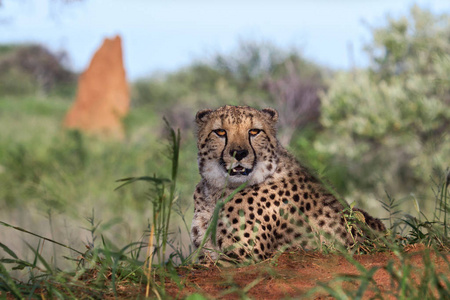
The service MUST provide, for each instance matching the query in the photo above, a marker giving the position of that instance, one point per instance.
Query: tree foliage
(390, 123)
(26, 69)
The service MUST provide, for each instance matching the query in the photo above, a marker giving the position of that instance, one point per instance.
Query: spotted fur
(282, 203)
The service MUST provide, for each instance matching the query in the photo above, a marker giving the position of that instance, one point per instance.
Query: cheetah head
(236, 144)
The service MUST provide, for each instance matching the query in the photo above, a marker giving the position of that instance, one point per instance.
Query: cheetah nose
(239, 154)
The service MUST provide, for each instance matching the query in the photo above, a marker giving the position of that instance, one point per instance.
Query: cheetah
(282, 203)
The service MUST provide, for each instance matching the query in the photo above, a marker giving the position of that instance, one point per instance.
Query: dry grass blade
(149, 261)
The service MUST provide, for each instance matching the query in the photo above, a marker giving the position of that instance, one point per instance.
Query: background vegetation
(375, 133)
(389, 124)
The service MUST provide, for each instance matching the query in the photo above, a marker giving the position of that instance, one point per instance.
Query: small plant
(434, 231)
(353, 219)
(391, 206)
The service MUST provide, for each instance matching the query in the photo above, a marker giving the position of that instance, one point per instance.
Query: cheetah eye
(220, 132)
(254, 132)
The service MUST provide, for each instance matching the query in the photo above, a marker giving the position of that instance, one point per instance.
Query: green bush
(389, 124)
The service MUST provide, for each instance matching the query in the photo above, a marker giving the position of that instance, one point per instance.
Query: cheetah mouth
(236, 169)
(240, 170)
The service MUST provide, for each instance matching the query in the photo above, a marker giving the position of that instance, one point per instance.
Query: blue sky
(165, 35)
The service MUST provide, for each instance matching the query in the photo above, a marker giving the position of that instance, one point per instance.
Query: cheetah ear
(271, 113)
(202, 116)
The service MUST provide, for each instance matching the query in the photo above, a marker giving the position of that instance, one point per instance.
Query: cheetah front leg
(203, 211)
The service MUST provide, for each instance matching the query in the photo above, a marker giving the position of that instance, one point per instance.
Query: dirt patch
(295, 274)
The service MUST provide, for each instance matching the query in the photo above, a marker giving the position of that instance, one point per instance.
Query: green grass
(52, 179)
(103, 267)
(64, 173)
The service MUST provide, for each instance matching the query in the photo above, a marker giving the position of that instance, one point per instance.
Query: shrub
(389, 123)
(25, 69)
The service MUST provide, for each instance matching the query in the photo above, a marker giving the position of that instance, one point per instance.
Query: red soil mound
(103, 96)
